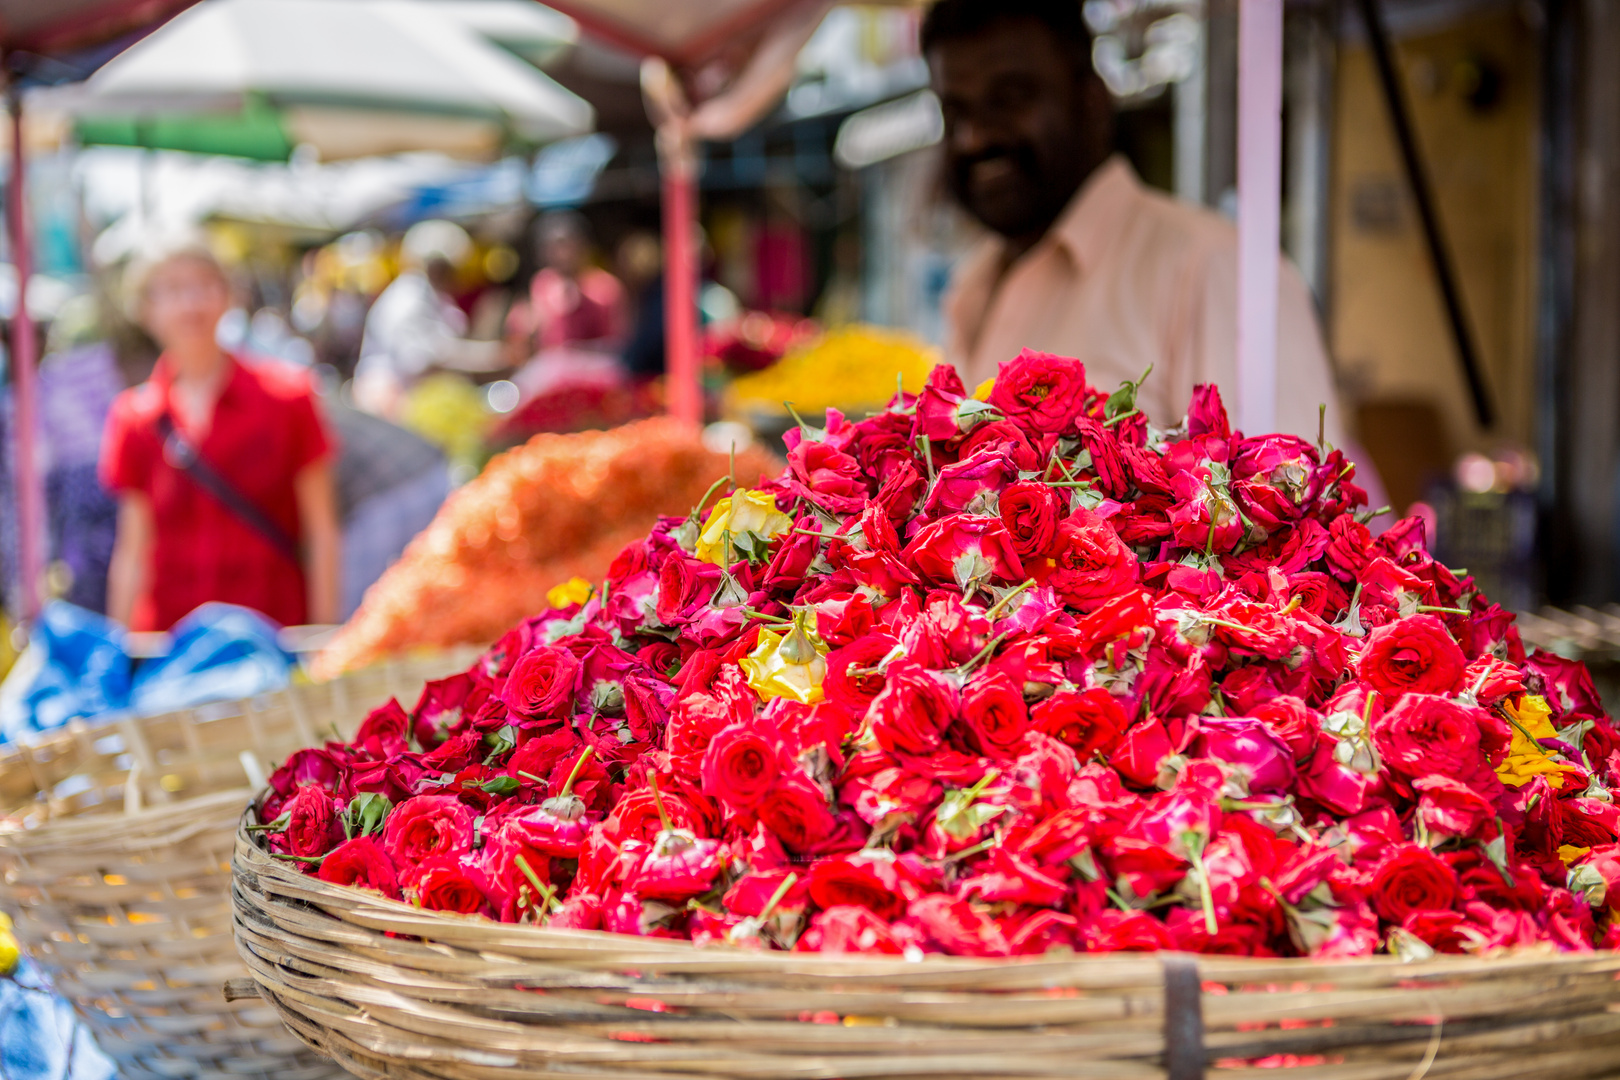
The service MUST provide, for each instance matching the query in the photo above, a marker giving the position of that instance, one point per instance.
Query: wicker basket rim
(12, 828)
(339, 901)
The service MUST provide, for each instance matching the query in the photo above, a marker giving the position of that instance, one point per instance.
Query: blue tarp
(76, 667)
(40, 1038)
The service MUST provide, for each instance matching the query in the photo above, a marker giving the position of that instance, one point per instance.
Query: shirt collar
(162, 376)
(1097, 213)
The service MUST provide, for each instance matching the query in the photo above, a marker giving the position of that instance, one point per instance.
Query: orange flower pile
(555, 508)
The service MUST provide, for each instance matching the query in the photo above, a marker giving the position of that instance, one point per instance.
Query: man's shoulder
(1177, 227)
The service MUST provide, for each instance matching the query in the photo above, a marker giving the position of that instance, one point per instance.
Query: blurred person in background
(1081, 259)
(415, 327)
(571, 303)
(222, 468)
(93, 353)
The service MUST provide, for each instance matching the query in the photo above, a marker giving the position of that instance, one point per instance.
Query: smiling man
(1083, 260)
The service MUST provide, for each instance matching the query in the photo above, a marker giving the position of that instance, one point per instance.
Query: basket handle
(254, 769)
(132, 789)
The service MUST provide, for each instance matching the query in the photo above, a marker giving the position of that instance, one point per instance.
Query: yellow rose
(743, 511)
(9, 953)
(775, 671)
(1526, 759)
(576, 590)
(1570, 852)
(982, 391)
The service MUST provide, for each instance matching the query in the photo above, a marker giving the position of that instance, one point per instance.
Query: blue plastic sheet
(76, 667)
(40, 1038)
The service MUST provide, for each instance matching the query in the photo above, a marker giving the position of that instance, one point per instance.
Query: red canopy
(58, 25)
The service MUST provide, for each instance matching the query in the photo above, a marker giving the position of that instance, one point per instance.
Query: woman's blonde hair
(183, 247)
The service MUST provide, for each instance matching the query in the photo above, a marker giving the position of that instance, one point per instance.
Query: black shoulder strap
(182, 455)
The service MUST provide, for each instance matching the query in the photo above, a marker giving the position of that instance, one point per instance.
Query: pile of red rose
(995, 674)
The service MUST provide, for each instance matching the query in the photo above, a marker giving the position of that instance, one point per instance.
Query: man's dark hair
(950, 20)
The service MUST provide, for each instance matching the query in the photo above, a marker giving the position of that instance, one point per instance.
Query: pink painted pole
(24, 354)
(684, 379)
(1259, 175)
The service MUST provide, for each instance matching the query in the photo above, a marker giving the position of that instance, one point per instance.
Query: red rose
(426, 826)
(382, 733)
(679, 867)
(1089, 564)
(965, 548)
(542, 683)
(1442, 931)
(510, 870)
(1029, 509)
(685, 585)
(1090, 721)
(852, 678)
(869, 883)
(360, 863)
(740, 766)
(1138, 754)
(1416, 655)
(1425, 734)
(445, 707)
(911, 714)
(850, 929)
(443, 883)
(1106, 460)
(312, 824)
(796, 811)
(1451, 808)
(969, 483)
(1040, 392)
(993, 716)
(1412, 878)
(954, 926)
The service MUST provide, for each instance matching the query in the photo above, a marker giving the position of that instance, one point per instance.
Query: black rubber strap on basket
(1183, 1018)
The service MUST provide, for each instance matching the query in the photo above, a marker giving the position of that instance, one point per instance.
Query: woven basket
(393, 992)
(115, 846)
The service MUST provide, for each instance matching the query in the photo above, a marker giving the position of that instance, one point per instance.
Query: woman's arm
(131, 565)
(323, 541)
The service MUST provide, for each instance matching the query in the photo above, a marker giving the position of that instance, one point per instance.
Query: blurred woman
(222, 468)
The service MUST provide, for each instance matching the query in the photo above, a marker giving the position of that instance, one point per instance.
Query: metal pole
(683, 383)
(24, 354)
(1260, 25)
(1423, 195)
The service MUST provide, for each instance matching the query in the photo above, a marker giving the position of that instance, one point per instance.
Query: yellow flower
(775, 671)
(9, 952)
(852, 368)
(743, 511)
(1569, 852)
(1526, 759)
(982, 391)
(576, 590)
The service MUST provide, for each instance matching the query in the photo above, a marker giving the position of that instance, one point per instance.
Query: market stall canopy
(257, 78)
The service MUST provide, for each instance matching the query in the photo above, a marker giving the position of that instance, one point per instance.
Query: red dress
(265, 431)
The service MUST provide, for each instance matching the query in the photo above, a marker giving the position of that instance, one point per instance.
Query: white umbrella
(351, 78)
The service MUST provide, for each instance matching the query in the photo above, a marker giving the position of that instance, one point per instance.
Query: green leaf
(500, 785)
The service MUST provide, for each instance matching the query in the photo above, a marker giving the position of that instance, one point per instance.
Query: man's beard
(1024, 204)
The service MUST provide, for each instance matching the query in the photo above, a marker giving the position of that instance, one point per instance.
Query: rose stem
(777, 896)
(568, 788)
(995, 609)
(658, 801)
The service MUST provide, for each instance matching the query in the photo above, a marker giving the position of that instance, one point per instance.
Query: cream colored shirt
(1126, 278)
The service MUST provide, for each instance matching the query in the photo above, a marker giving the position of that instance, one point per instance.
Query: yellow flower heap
(848, 368)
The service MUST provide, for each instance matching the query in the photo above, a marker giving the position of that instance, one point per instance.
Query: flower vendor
(1083, 260)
